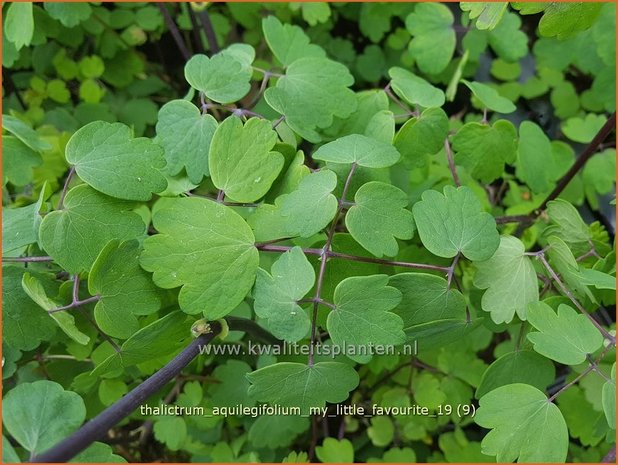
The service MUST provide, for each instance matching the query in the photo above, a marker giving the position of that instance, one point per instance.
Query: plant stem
(278, 121)
(451, 162)
(356, 258)
(27, 259)
(75, 304)
(97, 427)
(324, 254)
(514, 219)
(195, 28)
(174, 31)
(65, 188)
(211, 37)
(394, 98)
(588, 152)
(571, 297)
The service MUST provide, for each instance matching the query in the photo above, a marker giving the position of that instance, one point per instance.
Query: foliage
(383, 187)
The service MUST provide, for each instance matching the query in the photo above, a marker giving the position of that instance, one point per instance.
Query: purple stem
(27, 259)
(451, 162)
(65, 188)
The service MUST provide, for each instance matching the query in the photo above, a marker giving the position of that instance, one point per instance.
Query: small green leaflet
(185, 134)
(567, 267)
(25, 133)
(17, 161)
(359, 149)
(274, 431)
(453, 222)
(98, 452)
(206, 248)
(241, 161)
(583, 130)
(415, 90)
(75, 235)
(107, 157)
(335, 451)
(434, 39)
(20, 226)
(422, 136)
(522, 366)
(69, 14)
(299, 385)
(379, 217)
(171, 431)
(35, 290)
(609, 399)
(225, 77)
(362, 314)
(24, 324)
(276, 295)
(8, 452)
(158, 339)
(566, 223)
(303, 212)
(510, 280)
(597, 279)
(426, 298)
(536, 162)
(487, 14)
(288, 42)
(527, 427)
(40, 414)
(566, 337)
(564, 20)
(232, 385)
(490, 98)
(311, 93)
(19, 24)
(483, 149)
(125, 289)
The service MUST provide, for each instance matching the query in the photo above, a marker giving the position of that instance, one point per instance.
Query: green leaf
(158, 339)
(379, 217)
(276, 295)
(335, 451)
(583, 130)
(362, 315)
(521, 366)
(526, 427)
(276, 431)
(299, 385)
(415, 90)
(225, 76)
(241, 161)
(313, 12)
(536, 163)
(110, 390)
(91, 67)
(483, 149)
(35, 290)
(232, 385)
(107, 157)
(510, 280)
(567, 19)
(24, 324)
(312, 92)
(75, 235)
(8, 453)
(18, 160)
(303, 212)
(25, 133)
(381, 431)
(206, 248)
(359, 149)
(98, 452)
(489, 97)
(19, 24)
(453, 222)
(433, 43)
(426, 298)
(171, 431)
(508, 40)
(566, 223)
(422, 136)
(288, 42)
(609, 399)
(567, 267)
(69, 14)
(185, 135)
(125, 290)
(40, 414)
(566, 337)
(598, 279)
(20, 226)
(487, 14)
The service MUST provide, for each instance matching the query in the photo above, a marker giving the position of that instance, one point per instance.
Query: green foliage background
(358, 173)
